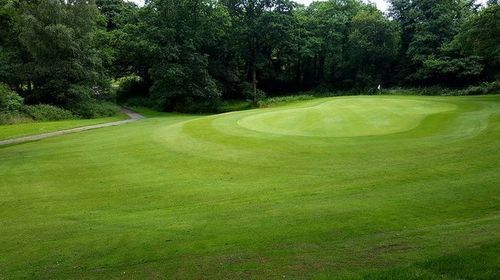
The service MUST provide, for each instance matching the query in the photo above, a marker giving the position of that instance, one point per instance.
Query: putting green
(371, 187)
(346, 117)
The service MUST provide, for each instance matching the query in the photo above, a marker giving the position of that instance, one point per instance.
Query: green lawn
(26, 129)
(386, 187)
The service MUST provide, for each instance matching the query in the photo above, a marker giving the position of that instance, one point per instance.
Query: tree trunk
(254, 82)
(253, 66)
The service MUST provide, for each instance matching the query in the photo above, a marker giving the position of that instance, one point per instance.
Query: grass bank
(334, 188)
(33, 128)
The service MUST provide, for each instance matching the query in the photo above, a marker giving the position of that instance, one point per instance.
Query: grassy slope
(207, 197)
(25, 129)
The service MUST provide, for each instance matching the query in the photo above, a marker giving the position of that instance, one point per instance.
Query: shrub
(14, 117)
(268, 102)
(43, 112)
(9, 100)
(131, 87)
(104, 92)
(484, 88)
(91, 109)
(234, 105)
(140, 102)
(198, 107)
(481, 89)
(248, 92)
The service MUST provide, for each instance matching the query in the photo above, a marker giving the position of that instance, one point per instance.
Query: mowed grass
(32, 128)
(337, 188)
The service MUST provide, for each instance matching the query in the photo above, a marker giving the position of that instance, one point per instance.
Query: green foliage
(329, 25)
(55, 43)
(129, 86)
(280, 100)
(482, 89)
(234, 105)
(9, 100)
(179, 73)
(114, 12)
(92, 109)
(138, 101)
(44, 112)
(251, 93)
(14, 117)
(190, 55)
(185, 86)
(429, 27)
(13, 59)
(480, 37)
(451, 68)
(373, 46)
(263, 31)
(64, 67)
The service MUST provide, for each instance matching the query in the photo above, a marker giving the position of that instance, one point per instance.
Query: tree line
(187, 55)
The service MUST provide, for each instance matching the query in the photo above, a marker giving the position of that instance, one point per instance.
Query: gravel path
(133, 117)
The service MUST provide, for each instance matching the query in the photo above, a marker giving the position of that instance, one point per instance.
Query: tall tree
(480, 36)
(13, 56)
(180, 32)
(428, 26)
(373, 46)
(255, 23)
(328, 23)
(64, 66)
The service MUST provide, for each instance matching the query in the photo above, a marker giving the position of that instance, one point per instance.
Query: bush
(484, 88)
(92, 109)
(104, 92)
(131, 87)
(14, 117)
(427, 91)
(10, 101)
(43, 112)
(198, 107)
(248, 92)
(140, 102)
(234, 105)
(268, 102)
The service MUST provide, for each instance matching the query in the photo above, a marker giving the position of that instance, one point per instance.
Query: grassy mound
(346, 117)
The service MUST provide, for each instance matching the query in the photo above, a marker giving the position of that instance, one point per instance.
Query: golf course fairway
(367, 187)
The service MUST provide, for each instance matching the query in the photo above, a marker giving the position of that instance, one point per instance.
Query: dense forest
(80, 56)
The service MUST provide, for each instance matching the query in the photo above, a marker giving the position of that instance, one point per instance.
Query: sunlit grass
(225, 196)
